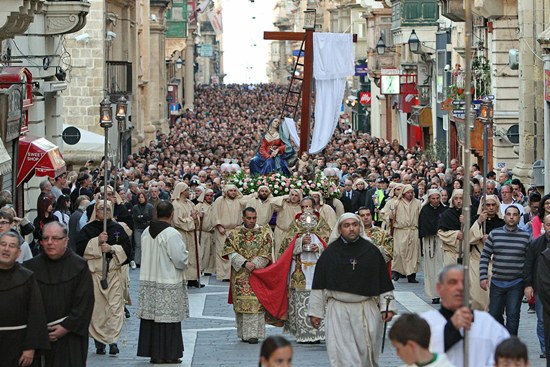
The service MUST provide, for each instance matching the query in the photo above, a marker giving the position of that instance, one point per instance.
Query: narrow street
(210, 338)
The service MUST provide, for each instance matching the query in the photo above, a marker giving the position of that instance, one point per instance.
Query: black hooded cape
(117, 236)
(428, 220)
(335, 270)
(449, 220)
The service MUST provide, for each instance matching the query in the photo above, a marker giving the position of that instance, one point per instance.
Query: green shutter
(176, 20)
(419, 12)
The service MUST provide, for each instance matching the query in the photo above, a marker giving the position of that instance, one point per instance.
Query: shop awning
(40, 157)
(5, 160)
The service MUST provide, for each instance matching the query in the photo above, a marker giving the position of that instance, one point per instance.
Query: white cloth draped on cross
(333, 61)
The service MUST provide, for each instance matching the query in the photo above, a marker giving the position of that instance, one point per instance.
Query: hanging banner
(215, 18)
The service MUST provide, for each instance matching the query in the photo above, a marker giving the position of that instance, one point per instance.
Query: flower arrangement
(280, 184)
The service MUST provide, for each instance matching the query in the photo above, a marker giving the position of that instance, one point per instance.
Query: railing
(119, 77)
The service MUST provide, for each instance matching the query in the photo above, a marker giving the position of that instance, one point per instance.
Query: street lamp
(121, 107)
(105, 114)
(486, 112)
(380, 46)
(179, 63)
(309, 19)
(105, 121)
(414, 43)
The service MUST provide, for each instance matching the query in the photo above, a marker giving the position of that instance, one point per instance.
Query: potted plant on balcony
(480, 80)
(481, 77)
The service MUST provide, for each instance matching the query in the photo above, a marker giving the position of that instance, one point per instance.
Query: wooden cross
(307, 78)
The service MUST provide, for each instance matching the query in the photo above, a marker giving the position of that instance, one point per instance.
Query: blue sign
(296, 53)
(174, 108)
(361, 69)
(459, 113)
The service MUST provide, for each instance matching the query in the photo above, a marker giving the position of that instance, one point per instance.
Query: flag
(215, 17)
(203, 5)
(191, 11)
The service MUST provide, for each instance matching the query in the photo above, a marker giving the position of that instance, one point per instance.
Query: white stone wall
(86, 83)
(505, 88)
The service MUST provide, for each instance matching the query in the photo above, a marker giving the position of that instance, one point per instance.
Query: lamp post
(106, 122)
(121, 107)
(380, 46)
(179, 63)
(486, 116)
(414, 43)
(309, 19)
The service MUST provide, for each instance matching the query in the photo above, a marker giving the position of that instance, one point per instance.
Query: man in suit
(350, 198)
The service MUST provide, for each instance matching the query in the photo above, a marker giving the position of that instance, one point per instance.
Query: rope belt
(58, 321)
(308, 263)
(11, 328)
(21, 327)
(363, 301)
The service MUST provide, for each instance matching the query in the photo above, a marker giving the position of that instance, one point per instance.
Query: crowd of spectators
(227, 123)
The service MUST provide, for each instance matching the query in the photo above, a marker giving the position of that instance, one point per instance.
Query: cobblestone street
(210, 339)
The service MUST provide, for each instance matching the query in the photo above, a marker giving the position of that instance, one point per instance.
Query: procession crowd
(319, 266)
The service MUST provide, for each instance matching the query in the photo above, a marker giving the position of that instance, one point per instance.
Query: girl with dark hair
(275, 351)
(61, 210)
(544, 210)
(45, 215)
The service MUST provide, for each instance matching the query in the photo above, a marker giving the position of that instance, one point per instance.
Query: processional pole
(466, 208)
(106, 121)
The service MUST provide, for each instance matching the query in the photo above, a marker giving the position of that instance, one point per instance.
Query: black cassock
(67, 291)
(20, 304)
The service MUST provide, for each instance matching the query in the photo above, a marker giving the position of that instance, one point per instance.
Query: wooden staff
(388, 300)
(460, 259)
(200, 226)
(392, 219)
(197, 254)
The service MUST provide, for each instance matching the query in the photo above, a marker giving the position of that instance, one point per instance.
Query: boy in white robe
(410, 335)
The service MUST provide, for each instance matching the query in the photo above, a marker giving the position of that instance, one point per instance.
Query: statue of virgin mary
(274, 151)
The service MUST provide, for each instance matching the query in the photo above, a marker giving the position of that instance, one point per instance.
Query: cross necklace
(353, 262)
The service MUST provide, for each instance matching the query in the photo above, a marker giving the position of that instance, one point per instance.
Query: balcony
(18, 16)
(453, 10)
(495, 9)
(65, 17)
(414, 13)
(119, 78)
